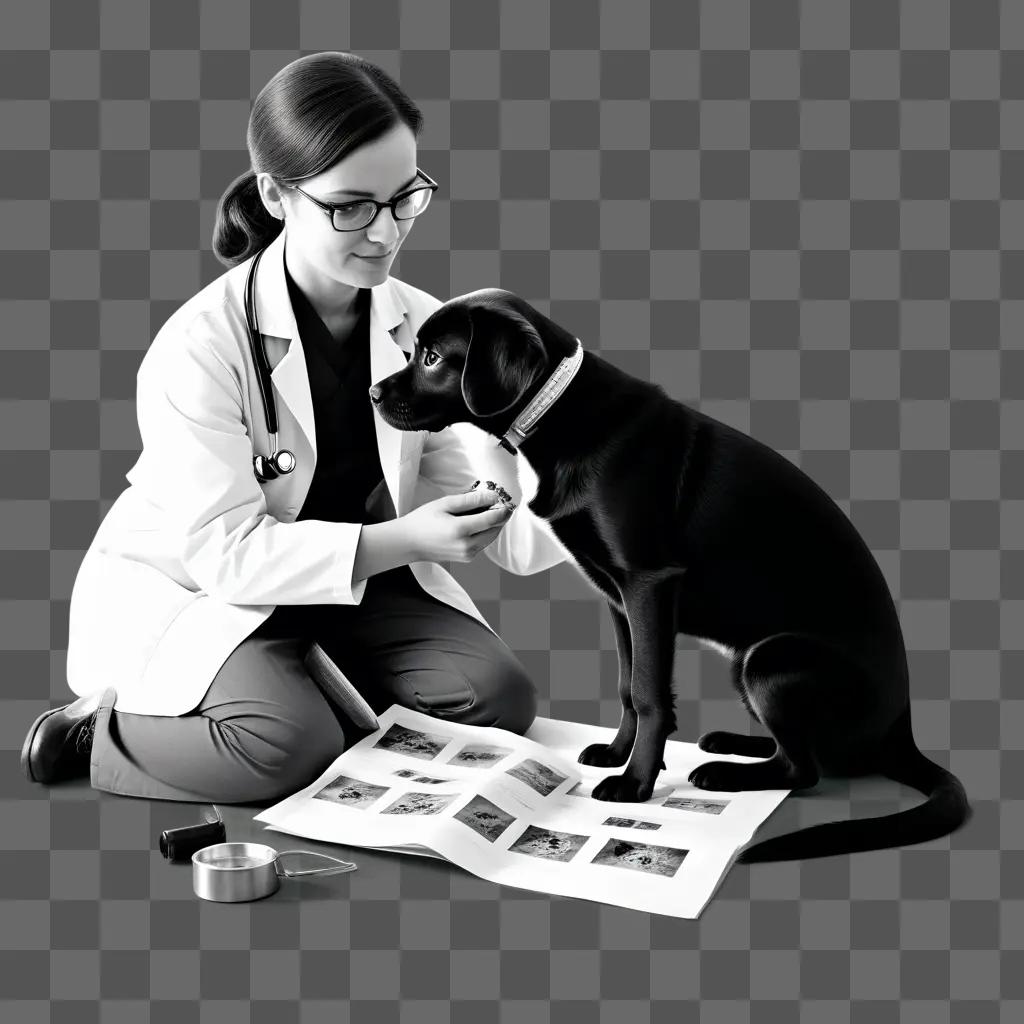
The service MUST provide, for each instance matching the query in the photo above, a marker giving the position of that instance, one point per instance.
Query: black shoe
(59, 743)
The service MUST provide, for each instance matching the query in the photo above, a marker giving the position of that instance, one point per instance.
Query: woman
(205, 585)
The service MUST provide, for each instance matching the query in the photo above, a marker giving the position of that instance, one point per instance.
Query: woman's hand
(457, 527)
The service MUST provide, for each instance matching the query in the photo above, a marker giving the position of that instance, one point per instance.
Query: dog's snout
(375, 394)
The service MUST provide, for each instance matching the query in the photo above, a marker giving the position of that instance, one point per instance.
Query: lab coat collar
(274, 308)
(289, 375)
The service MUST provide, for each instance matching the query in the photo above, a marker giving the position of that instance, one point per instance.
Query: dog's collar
(526, 422)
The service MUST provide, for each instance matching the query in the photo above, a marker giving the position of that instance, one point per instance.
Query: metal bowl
(235, 872)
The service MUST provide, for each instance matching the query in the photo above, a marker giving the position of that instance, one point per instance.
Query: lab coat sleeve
(196, 468)
(454, 458)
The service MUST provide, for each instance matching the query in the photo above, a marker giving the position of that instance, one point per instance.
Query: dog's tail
(944, 811)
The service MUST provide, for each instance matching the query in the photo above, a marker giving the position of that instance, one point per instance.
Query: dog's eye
(427, 358)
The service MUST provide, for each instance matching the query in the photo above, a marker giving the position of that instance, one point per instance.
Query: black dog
(686, 525)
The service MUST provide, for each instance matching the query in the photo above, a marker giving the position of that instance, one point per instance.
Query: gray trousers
(264, 730)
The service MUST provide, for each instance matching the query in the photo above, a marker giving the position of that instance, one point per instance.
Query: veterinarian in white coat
(196, 554)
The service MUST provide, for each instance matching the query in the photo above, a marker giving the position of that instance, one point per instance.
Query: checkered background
(805, 219)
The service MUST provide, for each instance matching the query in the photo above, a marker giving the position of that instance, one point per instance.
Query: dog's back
(767, 550)
(642, 482)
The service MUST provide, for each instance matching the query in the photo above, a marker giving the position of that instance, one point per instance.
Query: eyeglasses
(361, 214)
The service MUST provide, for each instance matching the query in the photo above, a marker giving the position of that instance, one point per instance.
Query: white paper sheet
(517, 810)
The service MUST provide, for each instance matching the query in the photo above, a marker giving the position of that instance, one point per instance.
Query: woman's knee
(281, 748)
(277, 729)
(517, 702)
(504, 696)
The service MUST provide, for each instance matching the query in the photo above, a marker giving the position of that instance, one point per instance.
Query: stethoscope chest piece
(239, 872)
(285, 461)
(269, 467)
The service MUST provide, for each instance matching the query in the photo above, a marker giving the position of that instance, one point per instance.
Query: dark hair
(312, 113)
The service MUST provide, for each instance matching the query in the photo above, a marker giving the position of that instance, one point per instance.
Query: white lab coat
(195, 554)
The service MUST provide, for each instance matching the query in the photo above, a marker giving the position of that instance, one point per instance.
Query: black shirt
(347, 458)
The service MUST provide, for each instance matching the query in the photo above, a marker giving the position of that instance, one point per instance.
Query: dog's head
(475, 359)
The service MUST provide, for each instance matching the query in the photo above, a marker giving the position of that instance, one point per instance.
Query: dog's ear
(503, 358)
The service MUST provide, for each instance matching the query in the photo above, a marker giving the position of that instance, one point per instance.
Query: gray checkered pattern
(805, 219)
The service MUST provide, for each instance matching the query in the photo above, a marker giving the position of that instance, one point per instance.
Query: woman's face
(382, 169)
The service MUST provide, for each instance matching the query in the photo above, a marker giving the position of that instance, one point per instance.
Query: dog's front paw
(623, 789)
(721, 776)
(602, 755)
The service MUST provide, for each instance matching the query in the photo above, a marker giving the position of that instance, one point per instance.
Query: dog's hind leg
(614, 754)
(797, 685)
(649, 599)
(719, 742)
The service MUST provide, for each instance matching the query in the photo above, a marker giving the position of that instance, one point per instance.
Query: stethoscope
(266, 467)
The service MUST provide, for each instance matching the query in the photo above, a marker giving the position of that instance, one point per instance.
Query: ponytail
(243, 224)
(311, 114)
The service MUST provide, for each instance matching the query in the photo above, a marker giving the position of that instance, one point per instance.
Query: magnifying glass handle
(346, 865)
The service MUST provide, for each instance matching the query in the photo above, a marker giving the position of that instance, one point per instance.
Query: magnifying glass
(239, 872)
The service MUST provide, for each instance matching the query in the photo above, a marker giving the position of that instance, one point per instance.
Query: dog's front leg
(650, 603)
(614, 754)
